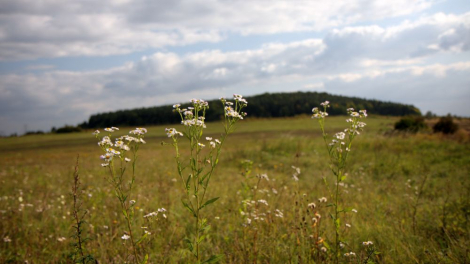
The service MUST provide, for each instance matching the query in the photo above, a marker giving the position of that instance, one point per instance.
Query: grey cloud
(35, 29)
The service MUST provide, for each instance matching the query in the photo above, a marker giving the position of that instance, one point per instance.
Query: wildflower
(212, 144)
(176, 106)
(263, 176)
(354, 114)
(104, 164)
(354, 210)
(171, 132)
(346, 254)
(138, 131)
(312, 205)
(340, 135)
(325, 103)
(363, 113)
(367, 243)
(132, 202)
(296, 169)
(352, 254)
(323, 249)
(151, 214)
(96, 132)
(322, 200)
(7, 239)
(147, 232)
(201, 145)
(125, 237)
(348, 225)
(279, 213)
(217, 141)
(61, 239)
(208, 138)
(127, 159)
(341, 245)
(263, 202)
(108, 129)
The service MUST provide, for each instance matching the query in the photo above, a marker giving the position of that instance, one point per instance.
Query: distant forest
(263, 105)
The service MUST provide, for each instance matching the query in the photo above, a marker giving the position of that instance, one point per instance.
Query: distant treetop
(263, 105)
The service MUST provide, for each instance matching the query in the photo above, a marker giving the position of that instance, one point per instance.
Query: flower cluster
(233, 111)
(120, 146)
(190, 116)
(338, 142)
(296, 174)
(321, 114)
(171, 132)
(154, 214)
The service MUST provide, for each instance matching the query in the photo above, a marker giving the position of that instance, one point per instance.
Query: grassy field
(411, 193)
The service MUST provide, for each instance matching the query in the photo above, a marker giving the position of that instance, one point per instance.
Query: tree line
(263, 105)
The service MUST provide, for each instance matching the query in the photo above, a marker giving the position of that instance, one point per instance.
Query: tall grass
(386, 175)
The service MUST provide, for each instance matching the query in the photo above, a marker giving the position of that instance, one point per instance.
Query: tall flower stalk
(115, 161)
(202, 161)
(339, 149)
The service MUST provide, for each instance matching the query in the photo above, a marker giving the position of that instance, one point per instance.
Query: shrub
(68, 129)
(445, 125)
(411, 124)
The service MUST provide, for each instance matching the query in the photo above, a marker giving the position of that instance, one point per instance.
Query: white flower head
(125, 237)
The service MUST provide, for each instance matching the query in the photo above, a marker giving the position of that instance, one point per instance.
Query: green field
(411, 193)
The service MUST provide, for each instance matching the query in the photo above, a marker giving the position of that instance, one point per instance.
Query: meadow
(410, 192)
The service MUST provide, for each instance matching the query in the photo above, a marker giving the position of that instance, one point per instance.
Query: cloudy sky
(61, 61)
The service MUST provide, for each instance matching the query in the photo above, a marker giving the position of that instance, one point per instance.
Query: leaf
(337, 222)
(190, 244)
(201, 238)
(342, 178)
(209, 202)
(146, 259)
(213, 259)
(188, 182)
(189, 208)
(204, 177)
(141, 239)
(326, 245)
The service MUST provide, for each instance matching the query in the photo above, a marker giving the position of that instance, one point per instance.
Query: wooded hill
(263, 105)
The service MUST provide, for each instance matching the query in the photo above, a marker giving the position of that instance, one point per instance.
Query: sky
(62, 61)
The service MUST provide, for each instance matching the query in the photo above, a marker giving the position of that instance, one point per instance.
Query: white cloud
(54, 28)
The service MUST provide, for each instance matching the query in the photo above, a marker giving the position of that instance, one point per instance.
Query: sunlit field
(411, 193)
